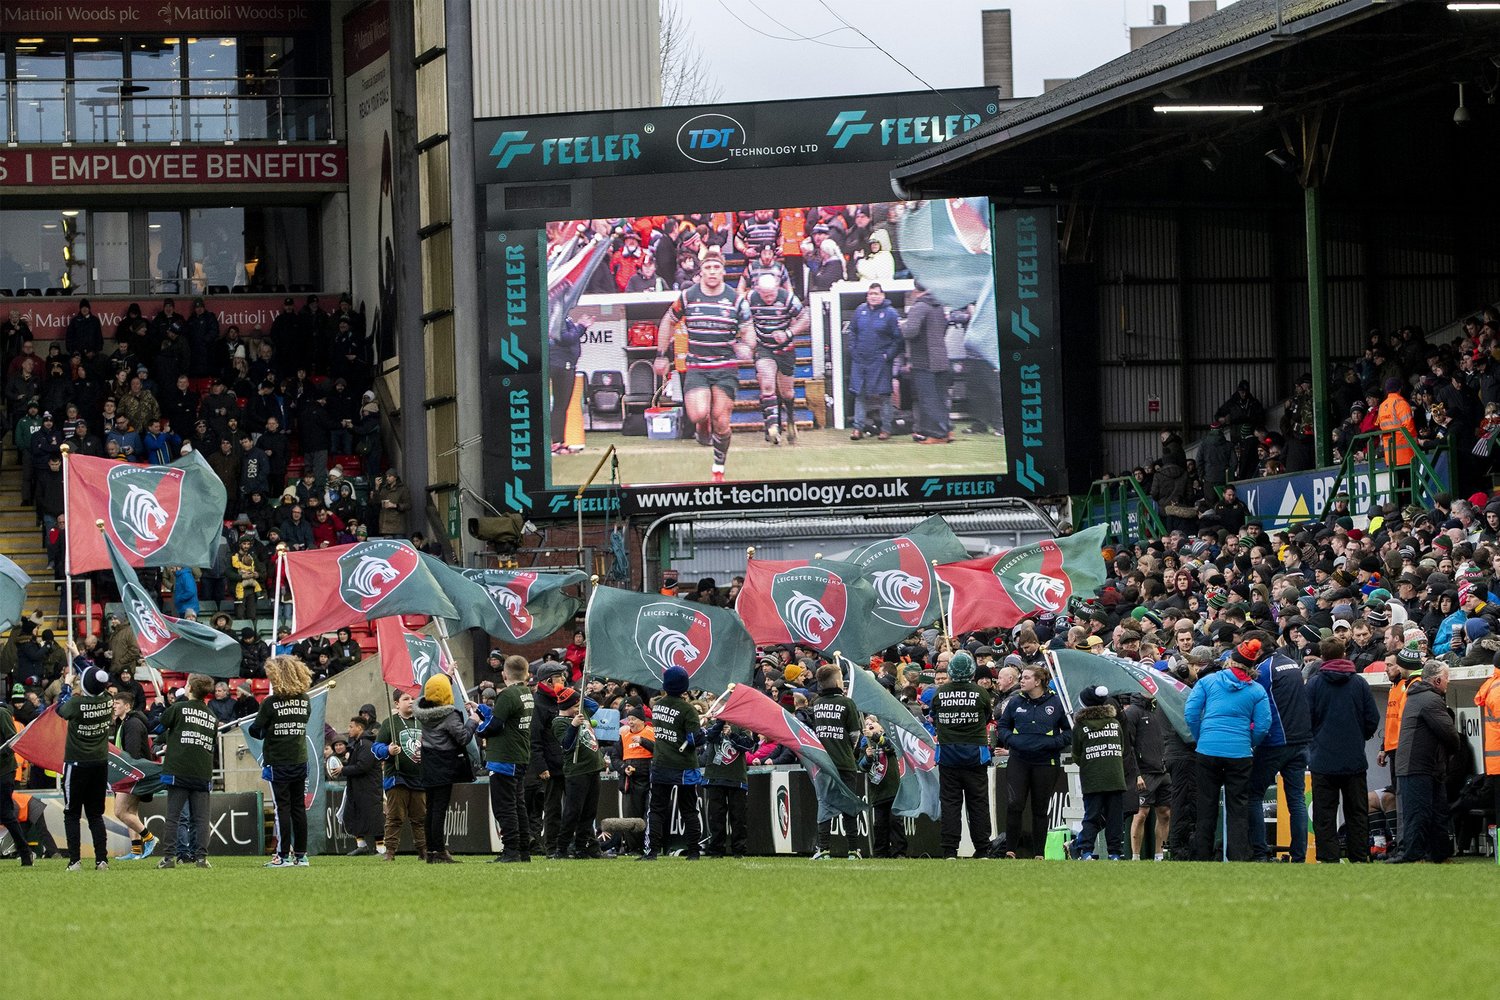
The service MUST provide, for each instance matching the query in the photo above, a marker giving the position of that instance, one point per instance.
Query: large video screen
(830, 342)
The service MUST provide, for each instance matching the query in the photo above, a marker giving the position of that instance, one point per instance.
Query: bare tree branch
(686, 77)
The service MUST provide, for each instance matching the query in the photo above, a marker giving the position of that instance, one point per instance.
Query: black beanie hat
(94, 680)
(1094, 696)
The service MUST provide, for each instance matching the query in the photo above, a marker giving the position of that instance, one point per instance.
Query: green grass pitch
(772, 928)
(818, 454)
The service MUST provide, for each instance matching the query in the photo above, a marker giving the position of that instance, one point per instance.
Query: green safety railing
(1120, 503)
(1416, 483)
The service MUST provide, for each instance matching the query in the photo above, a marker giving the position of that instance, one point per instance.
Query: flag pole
(442, 638)
(942, 611)
(67, 546)
(276, 597)
(588, 655)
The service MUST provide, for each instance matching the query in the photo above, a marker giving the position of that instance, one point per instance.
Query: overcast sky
(940, 42)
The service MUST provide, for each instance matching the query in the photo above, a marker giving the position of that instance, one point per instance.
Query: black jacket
(363, 798)
(1344, 718)
(546, 752)
(1143, 730)
(1289, 698)
(445, 742)
(1428, 735)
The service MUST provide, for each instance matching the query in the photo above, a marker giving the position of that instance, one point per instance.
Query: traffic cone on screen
(573, 429)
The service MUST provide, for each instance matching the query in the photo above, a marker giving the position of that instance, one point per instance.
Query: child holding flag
(398, 746)
(725, 747)
(836, 721)
(282, 724)
(960, 718)
(674, 763)
(506, 731)
(131, 733)
(1099, 752)
(85, 757)
(191, 730)
(582, 763)
(880, 759)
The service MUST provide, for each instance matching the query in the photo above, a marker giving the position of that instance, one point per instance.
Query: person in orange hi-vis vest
(1395, 413)
(1488, 700)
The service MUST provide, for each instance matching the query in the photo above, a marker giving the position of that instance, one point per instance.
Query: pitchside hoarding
(803, 353)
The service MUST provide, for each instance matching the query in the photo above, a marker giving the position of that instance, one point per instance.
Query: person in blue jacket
(1034, 729)
(1283, 752)
(1229, 714)
(1449, 605)
(874, 342)
(1344, 718)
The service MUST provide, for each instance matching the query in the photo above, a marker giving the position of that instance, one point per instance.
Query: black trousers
(635, 803)
(1425, 824)
(197, 804)
(889, 833)
(1231, 775)
(1184, 774)
(580, 806)
(290, 798)
(726, 820)
(83, 787)
(560, 382)
(958, 787)
(851, 822)
(508, 804)
(9, 817)
(544, 807)
(661, 817)
(1035, 782)
(1328, 790)
(438, 799)
(1103, 811)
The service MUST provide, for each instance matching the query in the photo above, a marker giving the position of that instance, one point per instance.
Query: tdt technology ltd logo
(710, 138)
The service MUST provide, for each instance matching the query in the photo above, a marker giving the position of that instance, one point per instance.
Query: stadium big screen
(734, 300)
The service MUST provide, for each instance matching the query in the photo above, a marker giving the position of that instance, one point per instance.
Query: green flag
(514, 606)
(919, 776)
(1076, 671)
(900, 573)
(167, 643)
(13, 583)
(636, 637)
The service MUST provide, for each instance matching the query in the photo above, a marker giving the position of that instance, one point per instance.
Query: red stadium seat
(353, 465)
(259, 688)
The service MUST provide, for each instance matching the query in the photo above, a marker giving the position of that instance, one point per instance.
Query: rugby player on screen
(772, 317)
(715, 352)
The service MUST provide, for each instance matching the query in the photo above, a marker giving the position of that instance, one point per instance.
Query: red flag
(1001, 590)
(157, 515)
(44, 741)
(823, 604)
(346, 584)
(407, 658)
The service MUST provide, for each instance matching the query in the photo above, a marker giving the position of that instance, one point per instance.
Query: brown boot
(444, 858)
(390, 855)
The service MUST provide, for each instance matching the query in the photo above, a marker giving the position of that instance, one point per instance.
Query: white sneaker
(76, 866)
(101, 866)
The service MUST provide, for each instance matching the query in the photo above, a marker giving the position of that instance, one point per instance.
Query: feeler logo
(509, 146)
(848, 124)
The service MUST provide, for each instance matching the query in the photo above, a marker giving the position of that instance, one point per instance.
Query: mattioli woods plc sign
(159, 15)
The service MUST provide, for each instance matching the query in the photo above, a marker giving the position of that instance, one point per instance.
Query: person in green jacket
(1099, 752)
(29, 424)
(85, 757)
(674, 763)
(582, 763)
(8, 816)
(506, 731)
(191, 730)
(837, 722)
(398, 745)
(960, 713)
(880, 759)
(282, 724)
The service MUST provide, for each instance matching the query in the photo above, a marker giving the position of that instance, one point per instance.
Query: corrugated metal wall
(1193, 300)
(534, 58)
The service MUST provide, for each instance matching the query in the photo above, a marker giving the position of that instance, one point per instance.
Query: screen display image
(800, 343)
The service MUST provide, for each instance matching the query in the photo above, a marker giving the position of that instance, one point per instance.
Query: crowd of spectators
(1445, 396)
